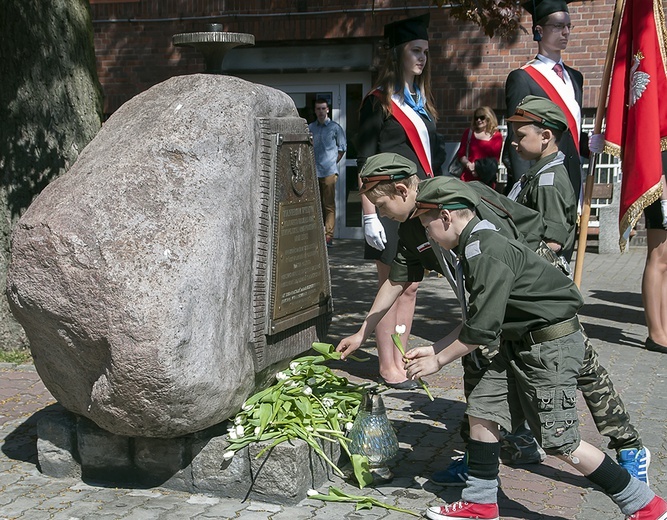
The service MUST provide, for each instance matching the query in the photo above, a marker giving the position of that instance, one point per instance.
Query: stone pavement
(427, 431)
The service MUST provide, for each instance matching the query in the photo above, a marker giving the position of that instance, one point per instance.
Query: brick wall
(134, 50)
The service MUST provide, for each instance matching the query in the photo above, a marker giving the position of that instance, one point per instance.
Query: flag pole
(599, 116)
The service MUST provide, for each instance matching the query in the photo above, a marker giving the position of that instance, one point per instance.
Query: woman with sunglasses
(480, 148)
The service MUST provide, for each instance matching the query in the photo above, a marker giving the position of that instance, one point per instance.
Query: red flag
(636, 113)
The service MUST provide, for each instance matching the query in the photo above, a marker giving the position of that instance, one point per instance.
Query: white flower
(228, 455)
(312, 492)
(232, 435)
(290, 383)
(293, 366)
(348, 426)
(307, 390)
(341, 415)
(280, 376)
(240, 430)
(328, 402)
(257, 430)
(400, 329)
(246, 407)
(238, 420)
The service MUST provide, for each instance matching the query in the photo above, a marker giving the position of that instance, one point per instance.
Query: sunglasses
(483, 118)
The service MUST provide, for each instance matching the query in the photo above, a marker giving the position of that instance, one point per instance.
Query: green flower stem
(399, 345)
(363, 502)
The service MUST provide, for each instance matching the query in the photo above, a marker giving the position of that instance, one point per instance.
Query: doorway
(345, 92)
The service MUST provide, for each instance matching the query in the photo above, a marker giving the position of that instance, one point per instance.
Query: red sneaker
(462, 509)
(656, 509)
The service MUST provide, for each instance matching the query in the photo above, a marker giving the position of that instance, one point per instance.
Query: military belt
(558, 330)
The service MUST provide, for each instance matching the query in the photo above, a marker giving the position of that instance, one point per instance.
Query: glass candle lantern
(372, 435)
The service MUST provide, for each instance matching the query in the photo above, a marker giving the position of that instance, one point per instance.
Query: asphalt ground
(427, 431)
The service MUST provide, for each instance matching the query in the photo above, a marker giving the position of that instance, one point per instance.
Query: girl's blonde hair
(491, 119)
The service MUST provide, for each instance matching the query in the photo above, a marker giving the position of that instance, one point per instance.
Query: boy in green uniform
(390, 183)
(518, 298)
(538, 125)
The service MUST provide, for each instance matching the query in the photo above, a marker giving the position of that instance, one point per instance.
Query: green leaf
(362, 470)
(265, 414)
(399, 344)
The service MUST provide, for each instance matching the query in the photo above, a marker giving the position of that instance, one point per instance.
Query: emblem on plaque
(298, 179)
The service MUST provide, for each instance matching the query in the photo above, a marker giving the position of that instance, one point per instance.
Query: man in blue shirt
(329, 145)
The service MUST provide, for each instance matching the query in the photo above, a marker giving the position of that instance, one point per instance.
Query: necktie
(558, 69)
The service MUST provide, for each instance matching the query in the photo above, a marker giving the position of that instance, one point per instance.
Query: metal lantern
(372, 435)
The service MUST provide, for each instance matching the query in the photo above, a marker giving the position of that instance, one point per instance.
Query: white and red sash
(414, 128)
(559, 92)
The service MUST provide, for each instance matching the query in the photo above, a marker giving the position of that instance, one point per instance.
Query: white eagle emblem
(638, 80)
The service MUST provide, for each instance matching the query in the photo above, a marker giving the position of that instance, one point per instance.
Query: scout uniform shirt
(512, 220)
(546, 188)
(512, 290)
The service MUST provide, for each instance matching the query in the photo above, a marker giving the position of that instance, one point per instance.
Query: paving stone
(612, 316)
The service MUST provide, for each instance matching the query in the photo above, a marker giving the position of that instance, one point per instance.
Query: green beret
(540, 111)
(444, 193)
(385, 167)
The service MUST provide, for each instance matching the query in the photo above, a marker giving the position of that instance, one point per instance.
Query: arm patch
(472, 250)
(547, 179)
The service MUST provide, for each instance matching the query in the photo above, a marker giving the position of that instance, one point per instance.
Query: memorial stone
(179, 263)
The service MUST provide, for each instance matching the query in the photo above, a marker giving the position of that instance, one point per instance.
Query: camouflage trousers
(607, 409)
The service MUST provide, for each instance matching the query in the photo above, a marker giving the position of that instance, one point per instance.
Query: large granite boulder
(132, 274)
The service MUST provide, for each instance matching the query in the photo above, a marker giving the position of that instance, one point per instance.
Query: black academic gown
(519, 84)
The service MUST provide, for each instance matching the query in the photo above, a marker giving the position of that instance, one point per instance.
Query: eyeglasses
(483, 118)
(558, 27)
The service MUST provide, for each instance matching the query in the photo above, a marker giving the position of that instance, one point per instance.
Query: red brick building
(331, 48)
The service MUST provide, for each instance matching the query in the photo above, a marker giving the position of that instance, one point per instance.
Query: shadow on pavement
(613, 335)
(633, 299)
(21, 443)
(612, 313)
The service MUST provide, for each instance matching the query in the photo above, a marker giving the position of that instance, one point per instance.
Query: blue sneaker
(636, 462)
(455, 475)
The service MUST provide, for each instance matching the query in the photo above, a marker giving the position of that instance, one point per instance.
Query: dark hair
(391, 77)
(319, 101)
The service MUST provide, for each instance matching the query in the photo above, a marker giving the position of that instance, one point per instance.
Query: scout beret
(444, 193)
(540, 9)
(385, 167)
(407, 30)
(540, 111)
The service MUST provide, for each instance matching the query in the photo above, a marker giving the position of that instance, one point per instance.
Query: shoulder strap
(412, 134)
(554, 96)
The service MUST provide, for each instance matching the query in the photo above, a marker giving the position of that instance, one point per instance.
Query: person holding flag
(636, 131)
(547, 76)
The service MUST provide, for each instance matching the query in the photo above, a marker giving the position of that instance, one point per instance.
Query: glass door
(344, 91)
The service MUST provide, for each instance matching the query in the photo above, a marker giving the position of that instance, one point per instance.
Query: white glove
(374, 232)
(663, 207)
(596, 143)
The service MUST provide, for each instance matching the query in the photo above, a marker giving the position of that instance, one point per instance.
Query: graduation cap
(407, 30)
(540, 9)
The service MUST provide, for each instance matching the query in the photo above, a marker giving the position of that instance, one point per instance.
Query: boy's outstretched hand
(421, 362)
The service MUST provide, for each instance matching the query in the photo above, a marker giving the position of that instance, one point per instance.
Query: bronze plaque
(299, 279)
(300, 273)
